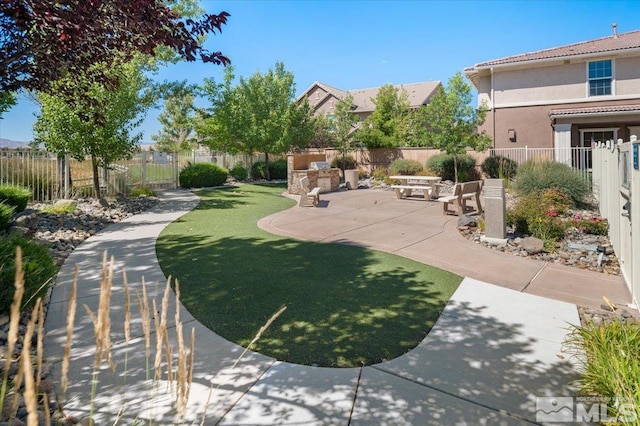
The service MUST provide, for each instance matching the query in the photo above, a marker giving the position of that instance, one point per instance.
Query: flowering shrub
(594, 225)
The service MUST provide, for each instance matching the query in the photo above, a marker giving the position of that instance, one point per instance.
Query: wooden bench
(462, 192)
(308, 197)
(402, 191)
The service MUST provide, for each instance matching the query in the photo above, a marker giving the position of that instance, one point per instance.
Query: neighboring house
(563, 97)
(324, 98)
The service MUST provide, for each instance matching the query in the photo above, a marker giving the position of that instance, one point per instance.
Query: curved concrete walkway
(490, 354)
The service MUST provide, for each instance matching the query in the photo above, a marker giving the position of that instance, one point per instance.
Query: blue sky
(360, 44)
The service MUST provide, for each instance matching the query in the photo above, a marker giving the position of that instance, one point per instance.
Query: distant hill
(8, 143)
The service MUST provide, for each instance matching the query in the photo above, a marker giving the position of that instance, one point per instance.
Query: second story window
(600, 77)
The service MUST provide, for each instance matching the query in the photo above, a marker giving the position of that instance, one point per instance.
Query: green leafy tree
(389, 125)
(258, 115)
(103, 125)
(449, 122)
(7, 100)
(344, 124)
(177, 123)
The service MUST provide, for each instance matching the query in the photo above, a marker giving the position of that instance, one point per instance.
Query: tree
(177, 123)
(71, 128)
(388, 125)
(7, 100)
(42, 41)
(344, 124)
(449, 122)
(258, 115)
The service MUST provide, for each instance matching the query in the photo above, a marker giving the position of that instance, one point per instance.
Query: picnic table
(429, 185)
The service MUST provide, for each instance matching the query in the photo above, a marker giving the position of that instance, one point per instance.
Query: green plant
(380, 173)
(539, 175)
(277, 170)
(201, 175)
(499, 167)
(137, 191)
(344, 163)
(6, 213)
(443, 166)
(594, 225)
(537, 214)
(37, 265)
(609, 364)
(239, 172)
(60, 207)
(405, 167)
(15, 196)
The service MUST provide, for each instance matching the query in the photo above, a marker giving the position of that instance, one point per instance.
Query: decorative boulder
(532, 245)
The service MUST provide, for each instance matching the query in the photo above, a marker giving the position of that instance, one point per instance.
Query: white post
(635, 220)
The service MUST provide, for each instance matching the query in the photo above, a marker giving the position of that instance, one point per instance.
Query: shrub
(594, 225)
(405, 167)
(6, 213)
(443, 166)
(239, 172)
(60, 207)
(15, 196)
(500, 167)
(344, 163)
(37, 265)
(201, 175)
(277, 170)
(380, 173)
(137, 191)
(540, 175)
(609, 363)
(537, 214)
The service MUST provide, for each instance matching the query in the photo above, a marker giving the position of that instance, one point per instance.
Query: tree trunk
(267, 175)
(455, 167)
(96, 177)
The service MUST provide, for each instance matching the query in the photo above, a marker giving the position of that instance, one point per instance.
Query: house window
(600, 77)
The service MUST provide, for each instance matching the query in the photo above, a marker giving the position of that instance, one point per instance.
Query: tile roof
(595, 110)
(417, 94)
(624, 41)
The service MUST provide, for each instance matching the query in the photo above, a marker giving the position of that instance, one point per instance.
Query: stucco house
(565, 96)
(324, 98)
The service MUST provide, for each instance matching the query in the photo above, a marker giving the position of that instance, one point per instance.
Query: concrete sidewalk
(492, 351)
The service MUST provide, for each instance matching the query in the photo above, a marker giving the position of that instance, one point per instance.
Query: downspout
(493, 110)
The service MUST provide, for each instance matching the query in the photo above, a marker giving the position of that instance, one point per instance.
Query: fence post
(67, 175)
(176, 175)
(635, 220)
(143, 169)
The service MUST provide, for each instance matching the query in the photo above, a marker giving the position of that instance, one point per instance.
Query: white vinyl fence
(578, 158)
(616, 184)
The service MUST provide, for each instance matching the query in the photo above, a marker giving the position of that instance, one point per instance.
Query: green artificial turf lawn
(347, 306)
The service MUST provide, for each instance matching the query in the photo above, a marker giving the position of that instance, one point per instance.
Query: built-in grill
(319, 165)
(324, 174)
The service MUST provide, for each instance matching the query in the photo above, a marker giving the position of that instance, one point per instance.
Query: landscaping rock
(465, 220)
(532, 245)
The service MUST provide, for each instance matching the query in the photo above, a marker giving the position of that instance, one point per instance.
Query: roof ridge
(563, 48)
(394, 85)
